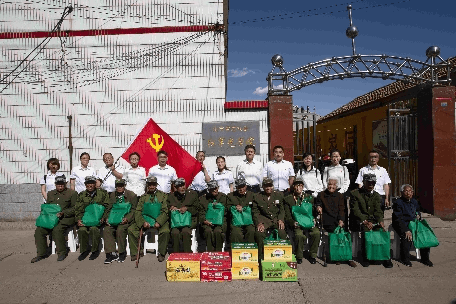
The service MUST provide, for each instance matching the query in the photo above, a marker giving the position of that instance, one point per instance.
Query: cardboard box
(278, 251)
(183, 267)
(216, 261)
(216, 276)
(244, 252)
(245, 271)
(279, 270)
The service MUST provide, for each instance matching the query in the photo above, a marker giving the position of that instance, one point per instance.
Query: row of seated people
(243, 215)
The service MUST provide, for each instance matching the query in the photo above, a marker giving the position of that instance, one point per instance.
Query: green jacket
(246, 200)
(66, 199)
(290, 201)
(365, 206)
(129, 197)
(189, 200)
(268, 212)
(164, 210)
(204, 204)
(100, 198)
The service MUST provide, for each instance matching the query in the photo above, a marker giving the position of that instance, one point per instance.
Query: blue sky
(405, 28)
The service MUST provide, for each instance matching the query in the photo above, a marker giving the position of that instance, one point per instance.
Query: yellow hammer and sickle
(157, 146)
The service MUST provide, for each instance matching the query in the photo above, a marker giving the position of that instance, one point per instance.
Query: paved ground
(72, 281)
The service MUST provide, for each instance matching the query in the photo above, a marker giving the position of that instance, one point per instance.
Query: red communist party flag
(152, 139)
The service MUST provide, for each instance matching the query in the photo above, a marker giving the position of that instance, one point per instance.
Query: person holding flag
(164, 173)
(108, 174)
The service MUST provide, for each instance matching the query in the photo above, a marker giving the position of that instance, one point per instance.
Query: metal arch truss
(373, 66)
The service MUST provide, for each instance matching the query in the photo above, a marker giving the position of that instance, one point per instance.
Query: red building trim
(246, 104)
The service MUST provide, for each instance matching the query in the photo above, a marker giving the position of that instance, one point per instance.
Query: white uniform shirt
(280, 173)
(312, 180)
(79, 174)
(381, 174)
(199, 181)
(109, 182)
(340, 173)
(50, 180)
(136, 180)
(253, 172)
(164, 177)
(224, 179)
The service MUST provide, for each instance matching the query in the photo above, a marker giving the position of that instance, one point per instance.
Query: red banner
(152, 139)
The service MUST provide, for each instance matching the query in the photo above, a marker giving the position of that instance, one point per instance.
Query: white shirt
(280, 173)
(253, 171)
(109, 182)
(224, 179)
(338, 172)
(164, 177)
(79, 174)
(312, 180)
(381, 174)
(50, 180)
(199, 181)
(136, 180)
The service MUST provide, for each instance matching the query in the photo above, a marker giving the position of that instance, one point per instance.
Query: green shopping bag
(92, 215)
(179, 220)
(377, 245)
(340, 245)
(423, 235)
(303, 215)
(118, 212)
(48, 217)
(215, 213)
(151, 211)
(274, 236)
(243, 218)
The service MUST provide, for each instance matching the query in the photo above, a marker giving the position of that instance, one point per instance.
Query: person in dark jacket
(405, 209)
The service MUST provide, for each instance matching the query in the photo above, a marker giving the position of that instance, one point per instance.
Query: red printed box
(216, 276)
(216, 261)
(185, 257)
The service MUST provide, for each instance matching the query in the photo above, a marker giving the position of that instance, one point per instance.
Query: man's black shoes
(110, 257)
(94, 255)
(406, 263)
(388, 264)
(83, 255)
(37, 259)
(312, 260)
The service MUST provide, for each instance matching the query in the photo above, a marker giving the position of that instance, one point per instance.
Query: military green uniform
(299, 233)
(67, 200)
(268, 212)
(364, 206)
(118, 233)
(162, 219)
(191, 201)
(85, 199)
(215, 234)
(244, 233)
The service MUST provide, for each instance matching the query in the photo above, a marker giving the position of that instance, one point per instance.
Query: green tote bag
(243, 218)
(180, 220)
(215, 213)
(423, 235)
(340, 245)
(118, 212)
(303, 215)
(92, 215)
(151, 211)
(48, 216)
(377, 245)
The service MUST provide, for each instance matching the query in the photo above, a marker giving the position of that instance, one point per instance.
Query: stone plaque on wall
(230, 138)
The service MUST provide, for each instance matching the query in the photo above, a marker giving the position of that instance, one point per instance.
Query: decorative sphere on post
(277, 60)
(433, 51)
(351, 32)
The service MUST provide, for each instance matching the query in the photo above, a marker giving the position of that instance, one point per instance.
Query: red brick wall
(281, 125)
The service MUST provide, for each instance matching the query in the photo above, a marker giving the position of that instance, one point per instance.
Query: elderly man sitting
(405, 210)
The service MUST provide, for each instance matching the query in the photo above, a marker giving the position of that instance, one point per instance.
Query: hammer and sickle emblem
(157, 146)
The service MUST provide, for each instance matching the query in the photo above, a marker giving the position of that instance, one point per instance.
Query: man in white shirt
(250, 169)
(199, 183)
(383, 179)
(279, 170)
(107, 175)
(164, 173)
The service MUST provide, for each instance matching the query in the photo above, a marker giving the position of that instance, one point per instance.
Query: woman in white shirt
(337, 171)
(79, 173)
(223, 176)
(136, 175)
(310, 175)
(47, 182)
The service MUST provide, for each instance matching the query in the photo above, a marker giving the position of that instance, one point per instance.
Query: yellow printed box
(278, 252)
(245, 271)
(244, 252)
(183, 271)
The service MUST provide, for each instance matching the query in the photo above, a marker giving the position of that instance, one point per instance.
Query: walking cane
(139, 247)
(321, 240)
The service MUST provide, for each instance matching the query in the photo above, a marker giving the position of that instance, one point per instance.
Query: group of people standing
(255, 203)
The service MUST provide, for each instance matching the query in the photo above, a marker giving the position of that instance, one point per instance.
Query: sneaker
(406, 263)
(94, 255)
(61, 258)
(161, 258)
(110, 257)
(122, 257)
(299, 261)
(388, 264)
(37, 259)
(351, 264)
(427, 263)
(312, 260)
(83, 255)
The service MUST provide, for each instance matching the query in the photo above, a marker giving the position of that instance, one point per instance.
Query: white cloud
(240, 73)
(262, 91)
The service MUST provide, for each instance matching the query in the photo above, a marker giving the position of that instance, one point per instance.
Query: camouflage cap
(212, 184)
(369, 177)
(267, 181)
(151, 179)
(90, 179)
(298, 180)
(120, 181)
(179, 182)
(61, 179)
(240, 181)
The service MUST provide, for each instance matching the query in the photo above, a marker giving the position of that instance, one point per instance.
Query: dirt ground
(71, 281)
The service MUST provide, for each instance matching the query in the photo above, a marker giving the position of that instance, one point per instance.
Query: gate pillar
(280, 119)
(437, 151)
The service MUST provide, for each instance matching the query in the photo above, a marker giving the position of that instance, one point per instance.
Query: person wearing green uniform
(152, 196)
(366, 212)
(66, 198)
(268, 214)
(241, 198)
(213, 203)
(91, 195)
(297, 198)
(183, 200)
(118, 232)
